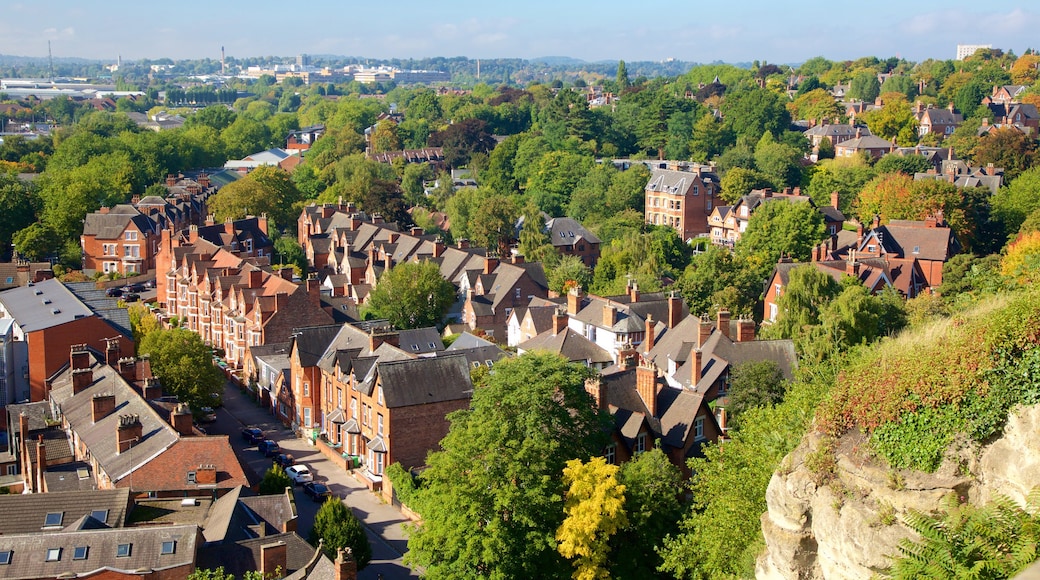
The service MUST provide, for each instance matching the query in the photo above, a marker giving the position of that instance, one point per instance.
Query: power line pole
(50, 60)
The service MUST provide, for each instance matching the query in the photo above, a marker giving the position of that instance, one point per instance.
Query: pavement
(384, 524)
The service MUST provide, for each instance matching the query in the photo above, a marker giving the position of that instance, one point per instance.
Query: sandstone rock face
(844, 520)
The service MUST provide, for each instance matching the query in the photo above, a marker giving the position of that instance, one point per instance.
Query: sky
(779, 31)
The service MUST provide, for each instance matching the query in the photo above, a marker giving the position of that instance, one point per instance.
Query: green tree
(893, 121)
(36, 242)
(816, 105)
(782, 228)
(847, 176)
(780, 162)
(337, 527)
(754, 384)
(710, 138)
(738, 182)
(569, 271)
(412, 182)
(864, 86)
(753, 111)
(595, 510)
(492, 500)
(288, 252)
(555, 177)
(266, 190)
(622, 75)
(184, 364)
(807, 293)
(908, 164)
(492, 223)
(275, 481)
(461, 140)
(412, 295)
(1008, 148)
(215, 116)
(718, 279)
(385, 137)
(246, 135)
(17, 201)
(1018, 199)
(653, 510)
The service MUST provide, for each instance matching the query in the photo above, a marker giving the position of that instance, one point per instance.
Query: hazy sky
(691, 30)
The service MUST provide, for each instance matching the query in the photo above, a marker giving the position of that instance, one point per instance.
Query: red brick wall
(49, 348)
(415, 431)
(178, 573)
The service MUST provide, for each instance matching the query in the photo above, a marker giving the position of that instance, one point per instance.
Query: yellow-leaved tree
(595, 511)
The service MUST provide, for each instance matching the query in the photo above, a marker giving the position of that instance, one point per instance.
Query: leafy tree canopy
(412, 295)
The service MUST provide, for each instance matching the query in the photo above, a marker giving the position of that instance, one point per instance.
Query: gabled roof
(26, 513)
(100, 437)
(145, 551)
(569, 344)
(424, 380)
(169, 471)
(243, 556)
(565, 231)
(311, 343)
(912, 239)
(467, 340)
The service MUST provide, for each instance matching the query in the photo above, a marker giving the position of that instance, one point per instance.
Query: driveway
(383, 523)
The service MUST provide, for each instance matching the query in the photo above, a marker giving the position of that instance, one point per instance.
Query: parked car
(131, 297)
(299, 474)
(115, 292)
(149, 284)
(319, 492)
(284, 460)
(268, 447)
(253, 435)
(207, 415)
(135, 287)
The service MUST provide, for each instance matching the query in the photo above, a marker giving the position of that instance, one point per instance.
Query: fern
(967, 542)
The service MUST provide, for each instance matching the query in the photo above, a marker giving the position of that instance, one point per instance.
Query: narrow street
(383, 523)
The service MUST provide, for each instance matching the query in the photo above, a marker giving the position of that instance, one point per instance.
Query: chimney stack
(745, 330)
(597, 390)
(128, 369)
(490, 263)
(559, 322)
(180, 419)
(345, 565)
(112, 351)
(834, 199)
(206, 474)
(698, 367)
(273, 560)
(314, 290)
(646, 384)
(256, 278)
(574, 298)
(41, 465)
(81, 379)
(649, 341)
(633, 291)
(703, 332)
(102, 406)
(79, 357)
(128, 432)
(152, 389)
(722, 322)
(675, 304)
(609, 315)
(438, 248)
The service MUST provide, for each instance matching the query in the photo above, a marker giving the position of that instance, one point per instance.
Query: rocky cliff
(835, 512)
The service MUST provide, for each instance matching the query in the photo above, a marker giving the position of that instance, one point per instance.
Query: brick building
(50, 317)
(682, 199)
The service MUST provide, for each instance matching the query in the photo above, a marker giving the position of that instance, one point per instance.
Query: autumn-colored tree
(1022, 260)
(894, 120)
(1008, 148)
(1024, 71)
(595, 510)
(816, 105)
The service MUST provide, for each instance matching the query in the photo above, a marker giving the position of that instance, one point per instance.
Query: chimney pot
(102, 406)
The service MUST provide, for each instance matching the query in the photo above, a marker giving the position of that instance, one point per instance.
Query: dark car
(135, 287)
(206, 415)
(284, 460)
(253, 435)
(318, 491)
(131, 297)
(268, 448)
(114, 292)
(149, 284)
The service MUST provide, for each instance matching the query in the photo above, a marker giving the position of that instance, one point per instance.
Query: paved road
(383, 523)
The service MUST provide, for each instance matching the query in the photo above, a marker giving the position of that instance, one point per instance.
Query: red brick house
(682, 199)
(493, 292)
(942, 122)
(570, 238)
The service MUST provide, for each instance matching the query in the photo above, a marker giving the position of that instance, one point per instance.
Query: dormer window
(53, 519)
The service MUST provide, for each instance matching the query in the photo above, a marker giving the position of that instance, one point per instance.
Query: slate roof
(74, 476)
(99, 437)
(902, 237)
(467, 340)
(836, 130)
(43, 305)
(30, 550)
(565, 231)
(244, 555)
(311, 342)
(111, 225)
(104, 306)
(866, 142)
(422, 381)
(569, 344)
(479, 355)
(420, 340)
(26, 513)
